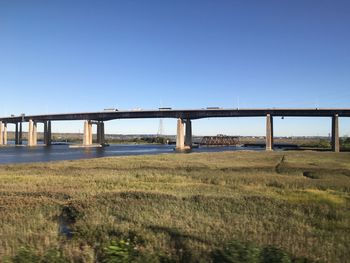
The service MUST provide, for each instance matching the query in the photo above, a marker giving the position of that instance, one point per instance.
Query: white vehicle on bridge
(213, 108)
(110, 109)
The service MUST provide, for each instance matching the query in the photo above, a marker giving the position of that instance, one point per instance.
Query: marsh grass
(179, 207)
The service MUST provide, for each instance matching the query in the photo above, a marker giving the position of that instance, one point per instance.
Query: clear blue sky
(66, 56)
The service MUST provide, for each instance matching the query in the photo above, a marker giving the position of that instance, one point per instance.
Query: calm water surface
(22, 154)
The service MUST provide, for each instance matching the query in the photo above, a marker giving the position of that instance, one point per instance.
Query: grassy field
(207, 207)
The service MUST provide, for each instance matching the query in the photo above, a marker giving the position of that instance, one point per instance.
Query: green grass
(178, 207)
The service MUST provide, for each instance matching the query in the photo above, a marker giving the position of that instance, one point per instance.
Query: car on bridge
(110, 109)
(213, 108)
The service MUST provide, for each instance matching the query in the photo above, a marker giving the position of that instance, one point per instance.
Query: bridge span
(184, 122)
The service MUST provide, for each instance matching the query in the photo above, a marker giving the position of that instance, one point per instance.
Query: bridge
(184, 122)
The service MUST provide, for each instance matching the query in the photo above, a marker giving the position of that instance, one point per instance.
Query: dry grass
(180, 203)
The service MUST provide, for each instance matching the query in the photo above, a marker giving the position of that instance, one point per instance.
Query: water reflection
(22, 154)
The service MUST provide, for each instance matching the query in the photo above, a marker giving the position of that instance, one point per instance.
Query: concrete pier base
(335, 134)
(86, 146)
(269, 132)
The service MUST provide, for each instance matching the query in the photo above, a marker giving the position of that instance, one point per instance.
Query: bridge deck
(182, 113)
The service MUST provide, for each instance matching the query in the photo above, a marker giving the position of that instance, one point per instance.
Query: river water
(22, 154)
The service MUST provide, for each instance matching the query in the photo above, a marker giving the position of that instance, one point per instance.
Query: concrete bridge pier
(16, 134)
(87, 140)
(32, 133)
(335, 133)
(101, 133)
(180, 142)
(3, 133)
(20, 134)
(47, 133)
(269, 132)
(188, 135)
(183, 140)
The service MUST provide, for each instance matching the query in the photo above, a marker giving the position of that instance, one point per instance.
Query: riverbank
(178, 207)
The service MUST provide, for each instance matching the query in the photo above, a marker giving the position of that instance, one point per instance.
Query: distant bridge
(183, 116)
(219, 140)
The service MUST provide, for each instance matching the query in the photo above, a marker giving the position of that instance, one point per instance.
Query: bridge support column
(269, 132)
(35, 133)
(98, 132)
(87, 140)
(335, 133)
(16, 133)
(1, 133)
(188, 136)
(103, 141)
(32, 133)
(180, 142)
(5, 133)
(90, 133)
(101, 132)
(47, 133)
(20, 135)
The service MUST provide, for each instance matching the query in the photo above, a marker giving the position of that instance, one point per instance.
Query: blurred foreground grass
(177, 207)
